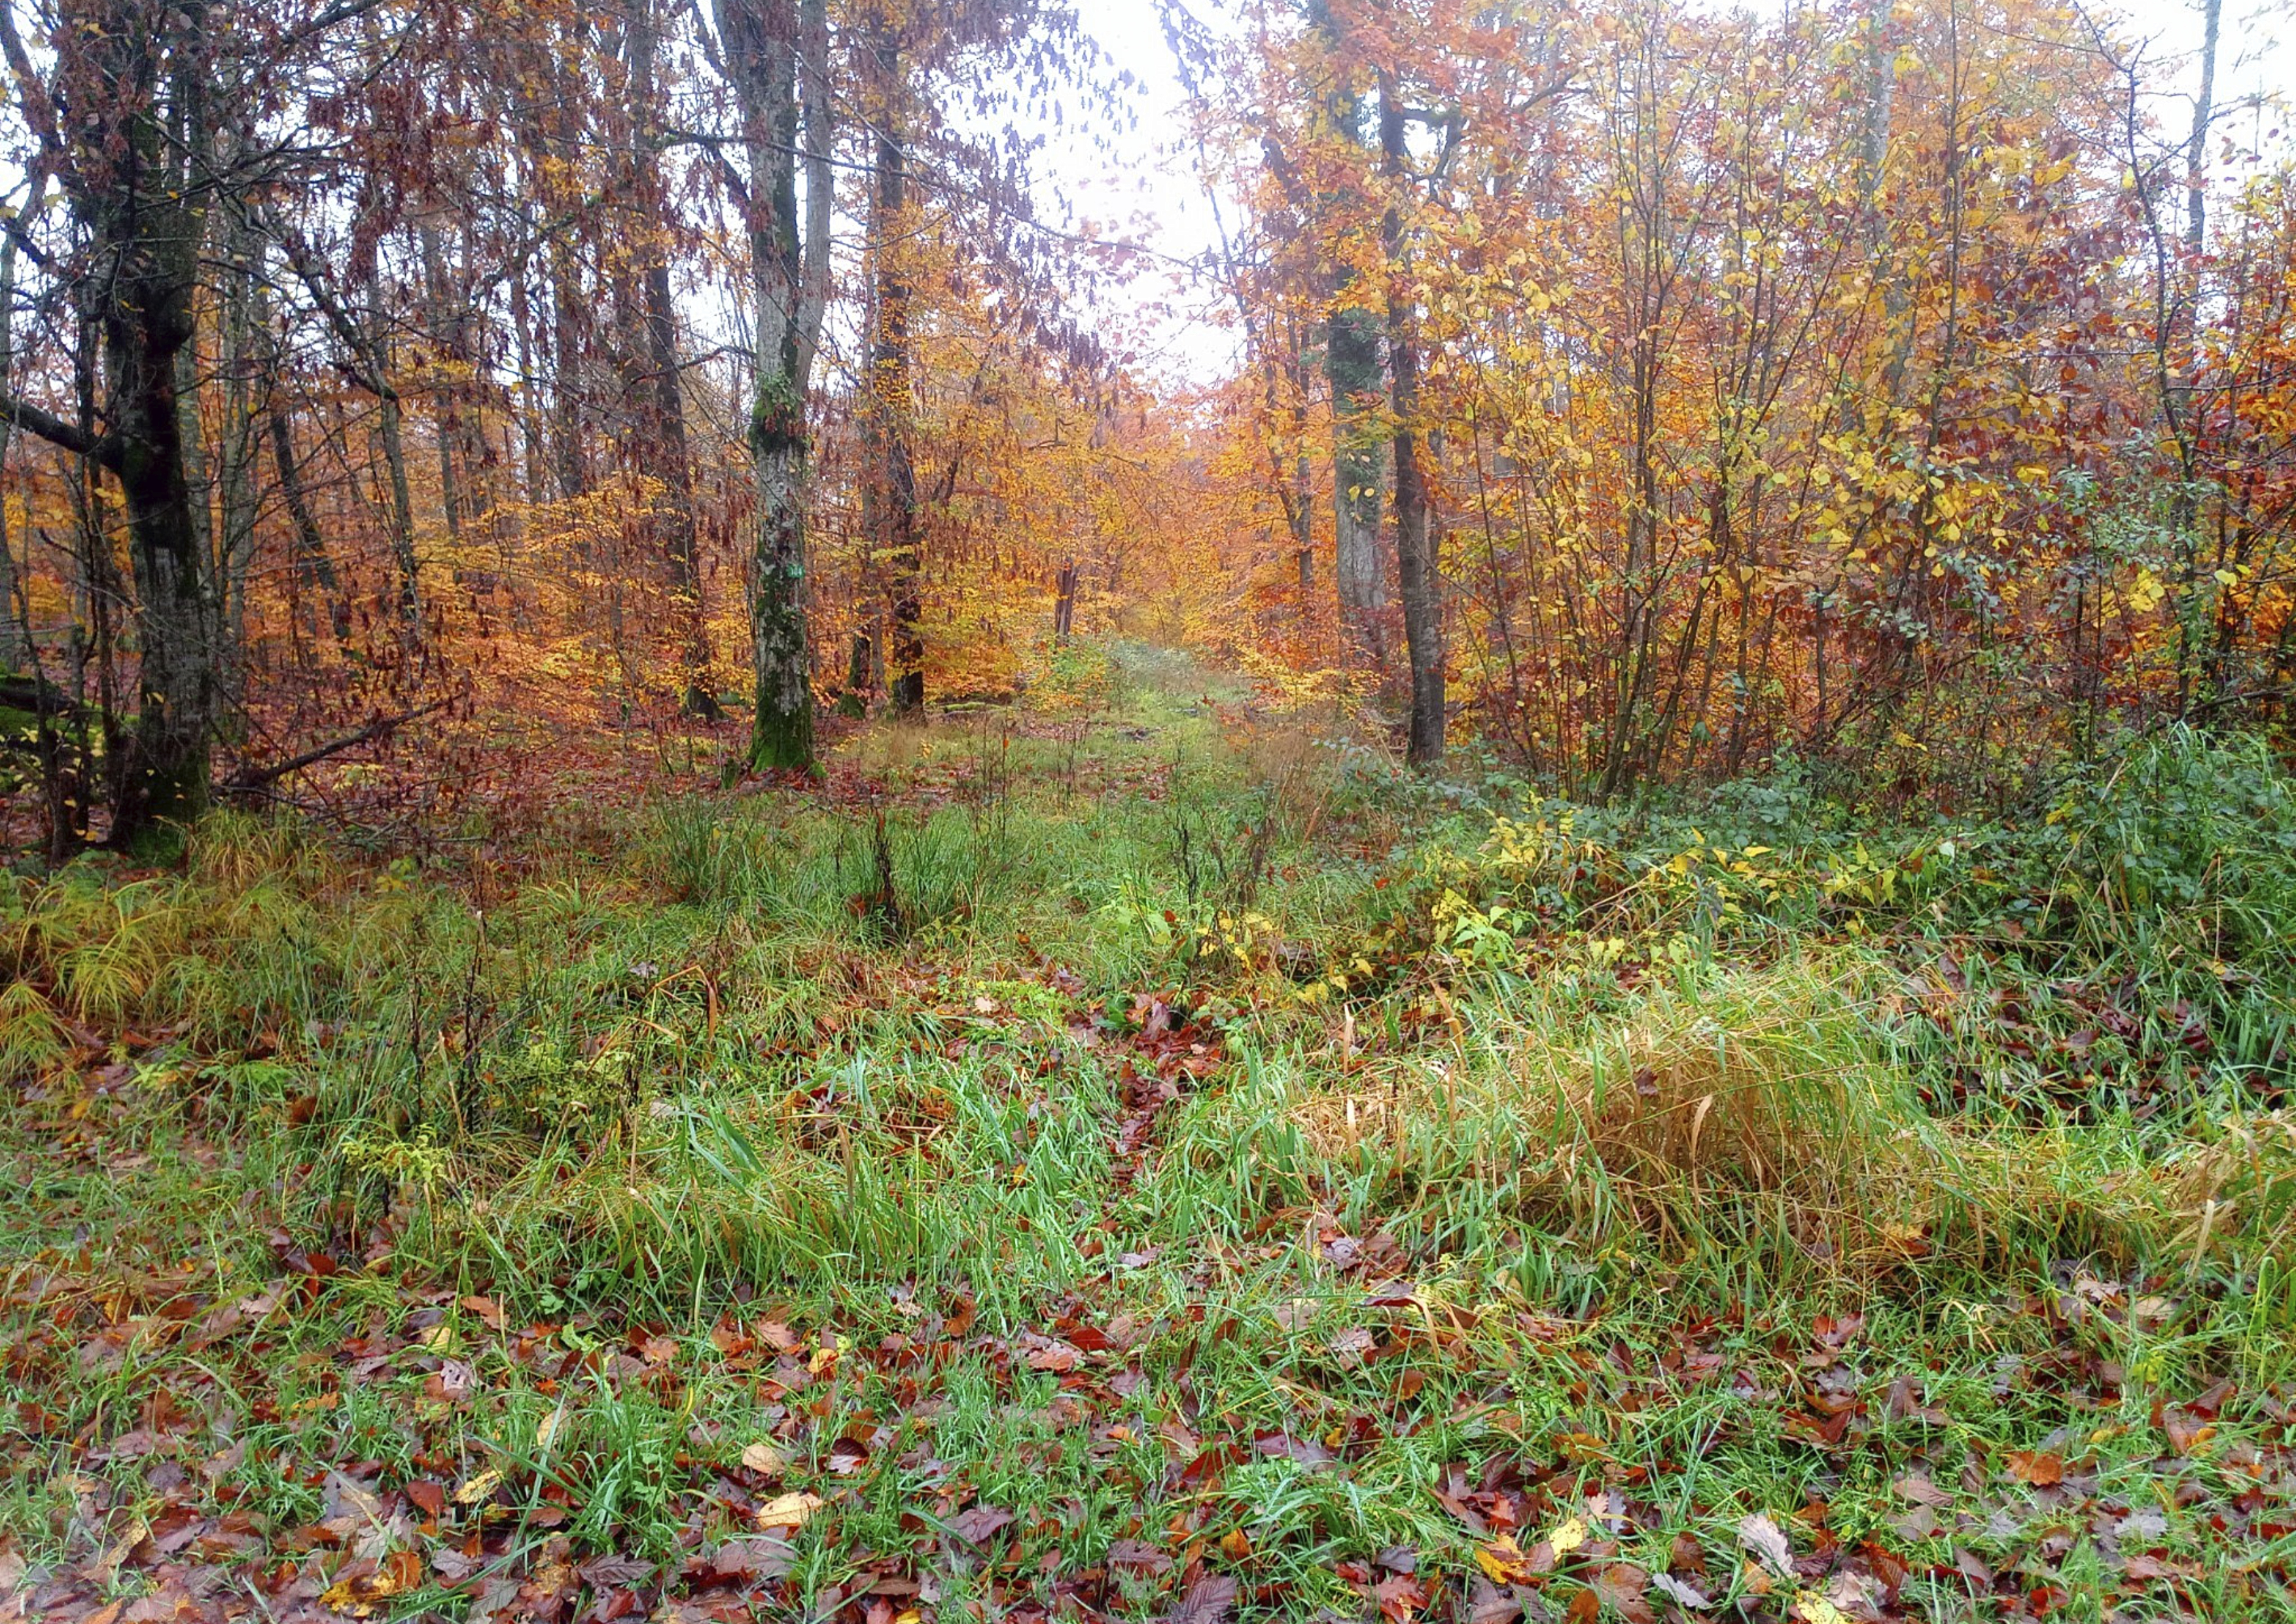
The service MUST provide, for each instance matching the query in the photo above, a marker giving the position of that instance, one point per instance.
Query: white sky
(1154, 197)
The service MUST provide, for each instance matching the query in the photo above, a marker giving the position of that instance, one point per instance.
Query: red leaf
(976, 1525)
(1138, 1555)
(1209, 1601)
(1306, 1451)
(1621, 1585)
(1399, 1598)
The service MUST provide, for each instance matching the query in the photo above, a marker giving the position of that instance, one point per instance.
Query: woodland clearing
(1202, 811)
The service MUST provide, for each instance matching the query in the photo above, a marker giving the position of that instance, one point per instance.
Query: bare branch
(96, 448)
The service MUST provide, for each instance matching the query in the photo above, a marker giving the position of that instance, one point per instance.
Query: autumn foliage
(1643, 393)
(1862, 383)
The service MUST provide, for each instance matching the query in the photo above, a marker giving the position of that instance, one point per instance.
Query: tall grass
(702, 1061)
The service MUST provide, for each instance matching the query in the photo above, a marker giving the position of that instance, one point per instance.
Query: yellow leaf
(1503, 1562)
(1568, 1535)
(477, 1489)
(792, 1510)
(1815, 1609)
(398, 1572)
(2226, 577)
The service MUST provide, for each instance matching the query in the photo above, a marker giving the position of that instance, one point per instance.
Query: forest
(894, 811)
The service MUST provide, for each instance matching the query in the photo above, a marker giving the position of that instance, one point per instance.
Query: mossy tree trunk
(765, 59)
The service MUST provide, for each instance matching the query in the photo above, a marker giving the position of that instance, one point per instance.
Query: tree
(1418, 565)
(124, 118)
(657, 375)
(772, 48)
(889, 487)
(1352, 362)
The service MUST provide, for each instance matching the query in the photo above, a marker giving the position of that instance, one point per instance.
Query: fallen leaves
(1137, 1555)
(2187, 1433)
(1057, 1357)
(1905, 1403)
(1308, 1452)
(779, 1405)
(1399, 1597)
(739, 1564)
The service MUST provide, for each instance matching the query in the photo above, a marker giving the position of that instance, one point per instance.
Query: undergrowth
(1042, 1105)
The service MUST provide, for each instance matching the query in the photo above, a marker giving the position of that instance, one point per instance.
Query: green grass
(1224, 1156)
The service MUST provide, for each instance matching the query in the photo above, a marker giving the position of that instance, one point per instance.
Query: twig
(255, 778)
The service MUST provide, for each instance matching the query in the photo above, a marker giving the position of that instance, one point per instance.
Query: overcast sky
(1154, 196)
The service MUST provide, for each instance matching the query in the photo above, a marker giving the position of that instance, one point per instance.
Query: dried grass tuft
(1768, 1099)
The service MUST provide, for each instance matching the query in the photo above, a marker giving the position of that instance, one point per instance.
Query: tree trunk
(446, 392)
(662, 443)
(1351, 365)
(16, 650)
(860, 672)
(893, 536)
(243, 440)
(147, 321)
(1415, 547)
(402, 502)
(761, 50)
(1303, 523)
(532, 440)
(673, 461)
(1352, 362)
(2196, 146)
(818, 110)
(1064, 604)
(570, 449)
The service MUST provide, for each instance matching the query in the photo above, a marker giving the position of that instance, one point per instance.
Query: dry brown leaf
(2040, 1468)
(1764, 1538)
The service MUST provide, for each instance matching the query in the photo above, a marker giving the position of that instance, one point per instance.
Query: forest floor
(1145, 1161)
